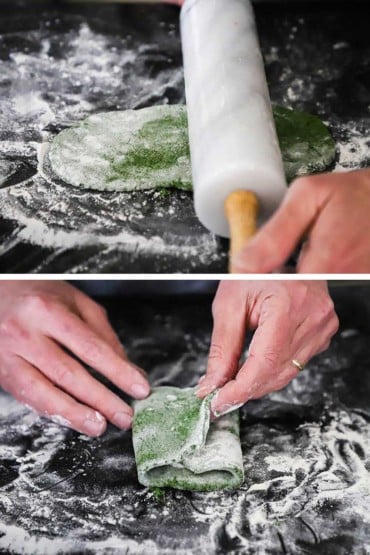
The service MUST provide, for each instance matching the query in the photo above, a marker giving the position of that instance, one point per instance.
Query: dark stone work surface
(306, 454)
(61, 62)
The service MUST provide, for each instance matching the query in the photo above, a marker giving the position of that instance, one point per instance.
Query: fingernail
(206, 389)
(201, 379)
(225, 409)
(140, 391)
(95, 423)
(122, 420)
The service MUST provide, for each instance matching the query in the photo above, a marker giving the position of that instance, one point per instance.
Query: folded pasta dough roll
(177, 446)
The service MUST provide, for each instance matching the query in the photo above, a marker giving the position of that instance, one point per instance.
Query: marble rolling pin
(237, 167)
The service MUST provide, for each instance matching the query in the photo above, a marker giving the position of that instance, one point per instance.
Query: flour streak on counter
(306, 458)
(330, 468)
(57, 81)
(53, 80)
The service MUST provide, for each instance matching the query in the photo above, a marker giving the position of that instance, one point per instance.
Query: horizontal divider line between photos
(189, 277)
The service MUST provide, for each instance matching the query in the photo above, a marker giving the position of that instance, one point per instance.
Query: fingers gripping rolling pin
(237, 167)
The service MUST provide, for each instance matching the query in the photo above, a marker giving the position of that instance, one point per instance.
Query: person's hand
(294, 320)
(41, 323)
(331, 212)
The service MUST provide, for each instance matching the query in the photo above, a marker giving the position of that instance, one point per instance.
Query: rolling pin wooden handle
(241, 209)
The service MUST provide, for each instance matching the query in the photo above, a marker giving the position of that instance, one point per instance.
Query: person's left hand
(294, 320)
(49, 331)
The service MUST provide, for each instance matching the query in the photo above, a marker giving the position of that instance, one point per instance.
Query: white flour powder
(99, 73)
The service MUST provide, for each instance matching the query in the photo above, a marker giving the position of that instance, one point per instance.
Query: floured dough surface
(176, 445)
(125, 150)
(149, 148)
(305, 141)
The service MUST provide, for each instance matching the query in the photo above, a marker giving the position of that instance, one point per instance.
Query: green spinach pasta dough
(149, 148)
(177, 446)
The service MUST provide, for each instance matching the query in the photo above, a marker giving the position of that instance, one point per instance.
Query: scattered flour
(60, 420)
(306, 484)
(354, 152)
(62, 78)
(16, 539)
(58, 82)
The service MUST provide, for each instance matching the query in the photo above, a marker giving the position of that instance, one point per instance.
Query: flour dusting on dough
(177, 446)
(92, 73)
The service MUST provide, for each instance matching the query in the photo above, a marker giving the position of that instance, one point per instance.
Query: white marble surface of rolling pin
(233, 139)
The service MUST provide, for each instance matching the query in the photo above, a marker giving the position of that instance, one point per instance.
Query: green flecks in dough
(306, 143)
(149, 149)
(177, 446)
(125, 151)
(181, 417)
(160, 145)
(159, 494)
(164, 193)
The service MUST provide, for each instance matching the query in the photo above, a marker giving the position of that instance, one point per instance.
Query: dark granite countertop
(60, 62)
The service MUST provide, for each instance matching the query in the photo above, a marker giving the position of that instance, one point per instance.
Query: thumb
(277, 239)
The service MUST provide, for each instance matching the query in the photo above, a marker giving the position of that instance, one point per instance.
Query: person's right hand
(41, 323)
(293, 321)
(330, 212)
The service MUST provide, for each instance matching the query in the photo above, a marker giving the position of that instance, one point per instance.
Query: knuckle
(271, 361)
(216, 352)
(335, 324)
(39, 302)
(221, 362)
(12, 328)
(63, 374)
(329, 307)
(97, 309)
(28, 390)
(327, 312)
(101, 310)
(92, 351)
(331, 330)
